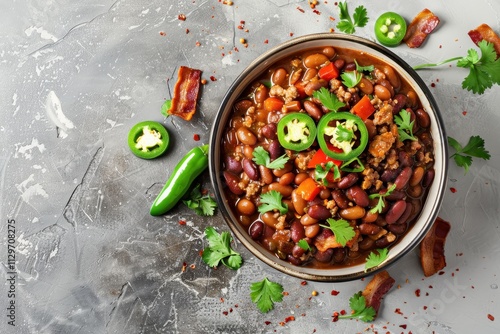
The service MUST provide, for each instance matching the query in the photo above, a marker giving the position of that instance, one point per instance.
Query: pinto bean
(369, 229)
(270, 219)
(313, 110)
(232, 182)
(287, 178)
(280, 172)
(403, 178)
(415, 191)
(382, 92)
(299, 203)
(246, 136)
(250, 169)
(233, 165)
(340, 199)
(297, 231)
(246, 207)
(270, 131)
(256, 230)
(370, 217)
(315, 60)
(348, 181)
(285, 191)
(352, 213)
(266, 175)
(314, 85)
(329, 52)
(261, 93)
(392, 76)
(365, 86)
(248, 151)
(387, 85)
(423, 118)
(395, 212)
(300, 177)
(358, 196)
(325, 193)
(319, 212)
(310, 74)
(417, 176)
(412, 99)
(279, 76)
(307, 220)
(274, 149)
(312, 230)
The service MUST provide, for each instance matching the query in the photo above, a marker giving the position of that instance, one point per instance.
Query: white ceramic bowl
(432, 203)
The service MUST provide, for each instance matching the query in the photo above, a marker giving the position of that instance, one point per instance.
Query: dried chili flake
(300, 9)
(212, 78)
(225, 312)
(182, 222)
(197, 43)
(492, 318)
(162, 33)
(402, 326)
(266, 41)
(334, 292)
(184, 267)
(290, 318)
(267, 322)
(181, 17)
(303, 283)
(196, 137)
(417, 292)
(453, 190)
(187, 31)
(317, 12)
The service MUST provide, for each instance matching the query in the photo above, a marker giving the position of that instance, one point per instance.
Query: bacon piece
(485, 32)
(422, 25)
(185, 93)
(432, 256)
(376, 289)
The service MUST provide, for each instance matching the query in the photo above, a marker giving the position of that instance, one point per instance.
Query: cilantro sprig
(219, 250)
(203, 205)
(321, 172)
(347, 24)
(272, 200)
(463, 155)
(265, 293)
(262, 157)
(328, 99)
(376, 257)
(304, 245)
(360, 310)
(341, 228)
(484, 70)
(351, 78)
(381, 204)
(405, 125)
(165, 107)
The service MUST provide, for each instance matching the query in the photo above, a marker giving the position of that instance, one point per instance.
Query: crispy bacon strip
(185, 93)
(432, 256)
(420, 27)
(485, 32)
(376, 289)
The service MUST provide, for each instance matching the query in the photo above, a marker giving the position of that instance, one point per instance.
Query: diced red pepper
(301, 90)
(363, 108)
(308, 189)
(432, 256)
(273, 104)
(320, 157)
(328, 72)
(485, 32)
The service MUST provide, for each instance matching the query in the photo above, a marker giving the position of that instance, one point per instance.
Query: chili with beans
(379, 189)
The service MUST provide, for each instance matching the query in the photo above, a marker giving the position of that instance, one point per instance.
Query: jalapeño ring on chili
(390, 29)
(324, 130)
(296, 131)
(148, 139)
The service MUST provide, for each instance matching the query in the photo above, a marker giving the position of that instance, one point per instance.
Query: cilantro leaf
(361, 69)
(342, 229)
(328, 99)
(262, 157)
(351, 78)
(463, 155)
(360, 310)
(381, 204)
(272, 200)
(304, 245)
(376, 257)
(265, 293)
(405, 125)
(320, 172)
(344, 134)
(203, 205)
(166, 107)
(348, 25)
(219, 250)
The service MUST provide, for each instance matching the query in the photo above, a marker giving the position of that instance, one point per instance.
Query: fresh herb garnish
(328, 99)
(272, 200)
(342, 229)
(344, 134)
(351, 78)
(165, 107)
(321, 172)
(360, 310)
(376, 257)
(463, 155)
(219, 250)
(345, 166)
(381, 204)
(361, 69)
(203, 205)
(261, 157)
(304, 244)
(405, 125)
(348, 25)
(265, 293)
(484, 70)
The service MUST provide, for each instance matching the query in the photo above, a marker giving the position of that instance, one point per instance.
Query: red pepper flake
(181, 17)
(242, 22)
(267, 322)
(198, 43)
(343, 312)
(285, 293)
(335, 292)
(430, 286)
(266, 41)
(398, 311)
(192, 266)
(317, 12)
(187, 31)
(453, 190)
(290, 318)
(291, 34)
(417, 292)
(221, 300)
(212, 78)
(162, 33)
(464, 113)
(300, 9)
(441, 273)
(425, 307)
(492, 318)
(433, 85)
(225, 313)
(182, 222)
(303, 283)
(196, 137)
(184, 266)
(402, 326)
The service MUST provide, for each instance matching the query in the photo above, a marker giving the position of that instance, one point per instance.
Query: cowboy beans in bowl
(328, 157)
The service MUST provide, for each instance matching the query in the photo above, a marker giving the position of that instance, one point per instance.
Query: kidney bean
(358, 195)
(232, 164)
(423, 118)
(369, 229)
(428, 177)
(269, 218)
(232, 182)
(382, 242)
(397, 229)
(340, 199)
(339, 63)
(325, 193)
(312, 230)
(246, 136)
(382, 92)
(248, 151)
(246, 207)
(275, 150)
(405, 159)
(350, 66)
(256, 230)
(392, 76)
(299, 203)
(270, 131)
(250, 169)
(293, 260)
(313, 110)
(372, 129)
(261, 93)
(280, 172)
(314, 85)
(279, 76)
(412, 119)
(352, 213)
(426, 139)
(348, 181)
(300, 177)
(329, 52)
(366, 244)
(307, 220)
(310, 74)
(298, 251)
(387, 85)
(389, 175)
(403, 178)
(398, 103)
(285, 191)
(395, 212)
(297, 231)
(266, 175)
(339, 255)
(370, 217)
(396, 195)
(404, 217)
(412, 99)
(325, 256)
(319, 212)
(365, 86)
(315, 60)
(242, 106)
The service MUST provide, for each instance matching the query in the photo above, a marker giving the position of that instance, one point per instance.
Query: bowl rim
(327, 275)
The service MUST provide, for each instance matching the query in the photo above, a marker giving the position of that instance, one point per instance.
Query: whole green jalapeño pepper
(390, 29)
(148, 139)
(296, 131)
(348, 135)
(183, 175)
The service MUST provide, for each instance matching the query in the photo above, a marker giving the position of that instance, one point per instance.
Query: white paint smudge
(44, 34)
(27, 150)
(54, 111)
(30, 191)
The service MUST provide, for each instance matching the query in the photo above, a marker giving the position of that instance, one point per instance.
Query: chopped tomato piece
(328, 72)
(486, 33)
(363, 108)
(376, 289)
(185, 93)
(301, 90)
(432, 256)
(308, 189)
(420, 27)
(273, 104)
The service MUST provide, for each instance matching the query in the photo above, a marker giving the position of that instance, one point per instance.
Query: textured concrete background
(89, 257)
